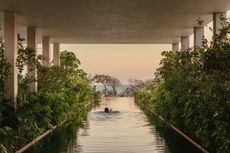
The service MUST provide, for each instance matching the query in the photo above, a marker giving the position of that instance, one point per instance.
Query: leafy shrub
(64, 92)
(191, 91)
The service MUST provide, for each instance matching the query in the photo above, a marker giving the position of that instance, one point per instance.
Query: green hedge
(191, 90)
(64, 93)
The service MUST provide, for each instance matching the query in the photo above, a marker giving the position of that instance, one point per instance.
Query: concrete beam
(175, 47)
(198, 36)
(217, 22)
(10, 39)
(56, 53)
(46, 50)
(184, 43)
(31, 43)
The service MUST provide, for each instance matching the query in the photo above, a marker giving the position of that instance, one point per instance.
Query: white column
(46, 50)
(184, 43)
(56, 52)
(175, 47)
(31, 43)
(217, 22)
(198, 36)
(10, 39)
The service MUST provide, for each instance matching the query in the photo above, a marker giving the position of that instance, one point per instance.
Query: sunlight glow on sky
(122, 61)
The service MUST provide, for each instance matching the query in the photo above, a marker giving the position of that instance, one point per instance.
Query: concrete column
(31, 37)
(175, 47)
(184, 43)
(31, 43)
(217, 22)
(10, 39)
(46, 50)
(56, 52)
(198, 36)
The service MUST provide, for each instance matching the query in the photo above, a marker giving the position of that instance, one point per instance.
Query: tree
(69, 61)
(114, 83)
(103, 79)
(106, 81)
(135, 84)
(27, 57)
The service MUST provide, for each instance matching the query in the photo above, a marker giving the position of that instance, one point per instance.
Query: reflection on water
(124, 130)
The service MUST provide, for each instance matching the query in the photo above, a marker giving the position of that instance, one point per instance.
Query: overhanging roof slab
(114, 21)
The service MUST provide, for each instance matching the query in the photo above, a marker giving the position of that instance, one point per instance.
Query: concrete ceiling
(114, 21)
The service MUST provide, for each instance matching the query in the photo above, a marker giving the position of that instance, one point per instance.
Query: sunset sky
(124, 61)
(121, 61)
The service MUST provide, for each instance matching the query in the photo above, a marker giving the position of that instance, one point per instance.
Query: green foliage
(69, 61)
(5, 69)
(26, 58)
(7, 116)
(191, 91)
(135, 85)
(64, 93)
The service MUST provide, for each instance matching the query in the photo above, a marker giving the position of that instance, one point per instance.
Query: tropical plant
(64, 93)
(191, 91)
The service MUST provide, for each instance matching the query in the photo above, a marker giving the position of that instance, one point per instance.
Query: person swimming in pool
(107, 110)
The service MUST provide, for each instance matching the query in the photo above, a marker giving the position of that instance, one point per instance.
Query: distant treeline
(111, 86)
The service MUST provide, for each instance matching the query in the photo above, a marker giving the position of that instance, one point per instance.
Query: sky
(124, 61)
(136, 61)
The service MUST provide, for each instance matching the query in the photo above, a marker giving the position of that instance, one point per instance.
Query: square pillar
(175, 47)
(10, 43)
(198, 36)
(31, 37)
(184, 43)
(46, 50)
(217, 22)
(56, 54)
(31, 43)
